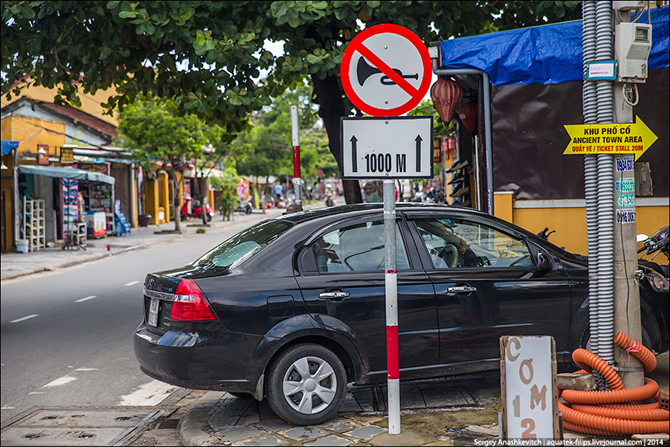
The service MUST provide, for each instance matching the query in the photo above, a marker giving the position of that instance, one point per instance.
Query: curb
(194, 428)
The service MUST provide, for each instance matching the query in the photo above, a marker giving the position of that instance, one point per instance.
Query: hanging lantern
(446, 95)
(191, 166)
(168, 167)
(468, 115)
(159, 164)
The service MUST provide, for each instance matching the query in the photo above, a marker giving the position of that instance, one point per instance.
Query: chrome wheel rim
(309, 385)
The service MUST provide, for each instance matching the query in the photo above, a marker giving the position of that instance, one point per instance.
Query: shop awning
(548, 54)
(71, 173)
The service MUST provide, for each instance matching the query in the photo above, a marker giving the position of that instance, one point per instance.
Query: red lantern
(168, 167)
(159, 164)
(191, 166)
(468, 115)
(446, 95)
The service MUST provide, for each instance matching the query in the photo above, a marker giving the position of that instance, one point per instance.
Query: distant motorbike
(329, 200)
(196, 209)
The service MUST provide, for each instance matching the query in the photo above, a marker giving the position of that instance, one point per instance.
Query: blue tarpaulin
(8, 146)
(548, 54)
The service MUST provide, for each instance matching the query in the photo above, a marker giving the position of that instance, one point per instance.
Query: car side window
(454, 243)
(356, 248)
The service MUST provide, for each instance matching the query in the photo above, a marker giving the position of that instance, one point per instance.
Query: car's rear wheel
(306, 384)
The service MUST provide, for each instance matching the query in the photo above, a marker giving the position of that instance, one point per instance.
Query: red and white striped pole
(296, 156)
(391, 282)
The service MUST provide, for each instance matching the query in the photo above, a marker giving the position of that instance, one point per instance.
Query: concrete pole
(296, 156)
(626, 291)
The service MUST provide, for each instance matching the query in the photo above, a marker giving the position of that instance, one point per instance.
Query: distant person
(278, 190)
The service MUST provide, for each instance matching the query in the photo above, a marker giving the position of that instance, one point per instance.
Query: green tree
(152, 132)
(226, 183)
(208, 55)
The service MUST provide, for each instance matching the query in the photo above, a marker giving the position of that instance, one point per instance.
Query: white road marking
(35, 392)
(18, 320)
(86, 299)
(86, 369)
(132, 283)
(7, 407)
(149, 394)
(61, 381)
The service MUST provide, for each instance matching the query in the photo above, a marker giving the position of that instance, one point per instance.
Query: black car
(293, 308)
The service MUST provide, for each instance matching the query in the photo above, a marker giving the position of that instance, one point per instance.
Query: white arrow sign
(387, 148)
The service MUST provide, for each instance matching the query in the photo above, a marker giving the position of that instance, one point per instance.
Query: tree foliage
(268, 145)
(153, 132)
(207, 56)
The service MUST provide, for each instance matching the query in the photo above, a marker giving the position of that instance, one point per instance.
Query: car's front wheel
(306, 384)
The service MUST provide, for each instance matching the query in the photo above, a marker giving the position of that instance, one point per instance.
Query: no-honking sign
(386, 70)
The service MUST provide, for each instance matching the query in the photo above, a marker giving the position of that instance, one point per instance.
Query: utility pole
(297, 181)
(626, 291)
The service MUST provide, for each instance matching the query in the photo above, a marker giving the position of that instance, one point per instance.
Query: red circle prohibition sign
(392, 74)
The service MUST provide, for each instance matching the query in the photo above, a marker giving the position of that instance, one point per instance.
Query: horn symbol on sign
(365, 70)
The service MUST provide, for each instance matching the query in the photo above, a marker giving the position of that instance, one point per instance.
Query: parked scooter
(654, 290)
(196, 209)
(653, 278)
(244, 206)
(659, 242)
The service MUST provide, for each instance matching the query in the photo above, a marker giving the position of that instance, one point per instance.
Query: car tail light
(190, 303)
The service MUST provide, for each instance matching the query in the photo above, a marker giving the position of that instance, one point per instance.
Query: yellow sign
(631, 138)
(66, 155)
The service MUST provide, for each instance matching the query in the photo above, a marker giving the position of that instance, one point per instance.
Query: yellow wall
(569, 222)
(151, 199)
(90, 103)
(32, 131)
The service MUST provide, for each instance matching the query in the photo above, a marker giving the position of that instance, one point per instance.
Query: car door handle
(337, 295)
(461, 289)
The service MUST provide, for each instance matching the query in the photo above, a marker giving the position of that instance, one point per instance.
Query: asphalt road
(67, 335)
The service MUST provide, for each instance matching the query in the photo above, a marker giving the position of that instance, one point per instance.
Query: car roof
(365, 208)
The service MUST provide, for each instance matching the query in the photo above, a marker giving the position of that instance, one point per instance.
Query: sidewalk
(53, 258)
(459, 410)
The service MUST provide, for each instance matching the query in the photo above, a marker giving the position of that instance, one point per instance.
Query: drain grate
(79, 426)
(169, 424)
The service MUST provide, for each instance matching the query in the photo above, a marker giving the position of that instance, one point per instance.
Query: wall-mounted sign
(102, 168)
(42, 154)
(66, 155)
(630, 138)
(601, 71)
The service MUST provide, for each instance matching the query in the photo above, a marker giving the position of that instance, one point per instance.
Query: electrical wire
(625, 94)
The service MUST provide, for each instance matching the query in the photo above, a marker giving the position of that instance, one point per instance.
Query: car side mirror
(543, 263)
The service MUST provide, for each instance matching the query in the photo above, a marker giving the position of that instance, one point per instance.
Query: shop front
(63, 204)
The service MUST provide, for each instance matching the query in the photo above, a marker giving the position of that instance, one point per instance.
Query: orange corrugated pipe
(645, 356)
(589, 361)
(644, 412)
(614, 420)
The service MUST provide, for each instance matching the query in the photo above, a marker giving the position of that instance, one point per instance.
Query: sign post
(386, 71)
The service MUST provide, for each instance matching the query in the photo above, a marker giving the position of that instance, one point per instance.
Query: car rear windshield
(243, 244)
